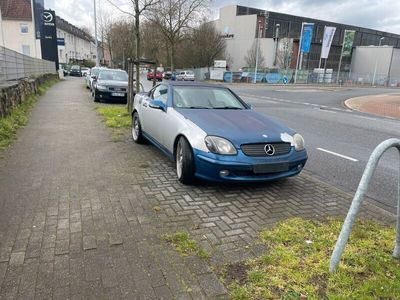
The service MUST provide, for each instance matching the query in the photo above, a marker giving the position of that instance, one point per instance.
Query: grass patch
(295, 266)
(117, 118)
(185, 245)
(18, 116)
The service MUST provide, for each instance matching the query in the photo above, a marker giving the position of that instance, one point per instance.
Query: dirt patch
(236, 272)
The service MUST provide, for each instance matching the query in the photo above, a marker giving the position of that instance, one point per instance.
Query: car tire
(184, 161)
(95, 98)
(137, 134)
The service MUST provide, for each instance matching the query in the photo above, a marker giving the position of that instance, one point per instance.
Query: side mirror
(157, 104)
(93, 76)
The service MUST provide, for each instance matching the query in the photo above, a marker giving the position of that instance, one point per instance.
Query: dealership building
(278, 36)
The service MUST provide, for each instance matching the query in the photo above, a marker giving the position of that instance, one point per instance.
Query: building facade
(17, 29)
(78, 44)
(280, 34)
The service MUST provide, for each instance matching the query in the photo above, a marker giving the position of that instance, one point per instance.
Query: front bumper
(241, 167)
(107, 95)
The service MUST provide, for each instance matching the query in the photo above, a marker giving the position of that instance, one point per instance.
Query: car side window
(160, 93)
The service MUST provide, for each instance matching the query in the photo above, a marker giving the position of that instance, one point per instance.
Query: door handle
(145, 104)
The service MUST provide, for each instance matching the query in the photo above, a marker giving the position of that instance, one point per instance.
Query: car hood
(113, 83)
(239, 126)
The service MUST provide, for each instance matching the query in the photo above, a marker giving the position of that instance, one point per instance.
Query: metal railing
(14, 65)
(358, 199)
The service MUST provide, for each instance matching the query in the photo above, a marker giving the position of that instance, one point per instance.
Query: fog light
(223, 173)
(299, 167)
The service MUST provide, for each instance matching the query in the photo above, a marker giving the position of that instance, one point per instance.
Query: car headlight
(219, 145)
(101, 87)
(298, 142)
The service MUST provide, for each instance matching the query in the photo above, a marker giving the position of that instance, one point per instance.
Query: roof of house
(16, 9)
(72, 29)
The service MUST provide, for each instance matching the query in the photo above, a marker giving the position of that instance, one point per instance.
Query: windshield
(95, 72)
(113, 75)
(205, 97)
(75, 67)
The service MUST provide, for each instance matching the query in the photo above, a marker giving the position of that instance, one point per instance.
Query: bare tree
(208, 44)
(139, 8)
(251, 56)
(173, 17)
(122, 46)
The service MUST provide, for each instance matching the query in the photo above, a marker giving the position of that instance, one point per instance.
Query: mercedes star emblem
(269, 149)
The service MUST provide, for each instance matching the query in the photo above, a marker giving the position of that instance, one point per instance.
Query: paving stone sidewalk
(386, 105)
(77, 217)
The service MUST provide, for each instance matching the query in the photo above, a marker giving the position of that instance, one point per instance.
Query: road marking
(337, 154)
(325, 110)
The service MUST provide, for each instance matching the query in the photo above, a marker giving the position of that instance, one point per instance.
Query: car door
(151, 117)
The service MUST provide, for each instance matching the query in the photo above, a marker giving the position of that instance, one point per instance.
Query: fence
(14, 65)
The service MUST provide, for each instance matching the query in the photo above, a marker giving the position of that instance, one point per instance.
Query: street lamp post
(95, 34)
(276, 46)
(376, 61)
(257, 46)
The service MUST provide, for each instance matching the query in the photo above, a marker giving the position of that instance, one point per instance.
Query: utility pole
(95, 34)
(376, 61)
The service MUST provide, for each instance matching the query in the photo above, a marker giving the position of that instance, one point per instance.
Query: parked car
(110, 84)
(211, 133)
(85, 71)
(75, 71)
(185, 76)
(150, 75)
(94, 72)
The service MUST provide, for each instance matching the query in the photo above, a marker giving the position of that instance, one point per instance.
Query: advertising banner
(306, 37)
(38, 7)
(48, 40)
(348, 42)
(329, 32)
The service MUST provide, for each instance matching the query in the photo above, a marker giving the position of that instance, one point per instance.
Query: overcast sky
(376, 14)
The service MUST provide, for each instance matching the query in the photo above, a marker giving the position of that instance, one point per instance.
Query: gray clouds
(375, 14)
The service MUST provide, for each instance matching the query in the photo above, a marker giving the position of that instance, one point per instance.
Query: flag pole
(298, 52)
(340, 61)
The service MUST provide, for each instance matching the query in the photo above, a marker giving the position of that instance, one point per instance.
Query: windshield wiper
(227, 107)
(197, 107)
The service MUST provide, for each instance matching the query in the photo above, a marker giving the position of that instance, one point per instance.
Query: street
(339, 141)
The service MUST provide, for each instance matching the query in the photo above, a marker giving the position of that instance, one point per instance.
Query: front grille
(258, 149)
(117, 89)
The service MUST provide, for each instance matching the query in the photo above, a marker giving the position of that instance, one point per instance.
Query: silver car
(185, 76)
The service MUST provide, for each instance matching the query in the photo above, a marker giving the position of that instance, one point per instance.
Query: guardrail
(358, 199)
(14, 65)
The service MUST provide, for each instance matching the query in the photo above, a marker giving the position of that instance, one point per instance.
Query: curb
(349, 106)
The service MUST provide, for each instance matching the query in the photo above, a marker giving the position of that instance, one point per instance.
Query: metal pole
(358, 199)
(376, 61)
(340, 64)
(95, 34)
(123, 58)
(276, 46)
(257, 46)
(298, 53)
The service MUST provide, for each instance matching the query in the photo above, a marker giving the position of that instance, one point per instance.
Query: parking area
(83, 215)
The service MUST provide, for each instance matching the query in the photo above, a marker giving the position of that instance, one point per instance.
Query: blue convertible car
(211, 133)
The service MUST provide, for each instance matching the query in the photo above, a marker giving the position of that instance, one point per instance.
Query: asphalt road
(339, 141)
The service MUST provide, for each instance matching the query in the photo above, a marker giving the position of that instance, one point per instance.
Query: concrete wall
(244, 30)
(394, 75)
(14, 93)
(13, 38)
(364, 60)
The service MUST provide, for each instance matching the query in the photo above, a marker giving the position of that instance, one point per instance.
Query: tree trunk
(172, 56)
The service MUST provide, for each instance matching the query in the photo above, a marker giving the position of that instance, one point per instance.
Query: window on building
(26, 50)
(24, 28)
